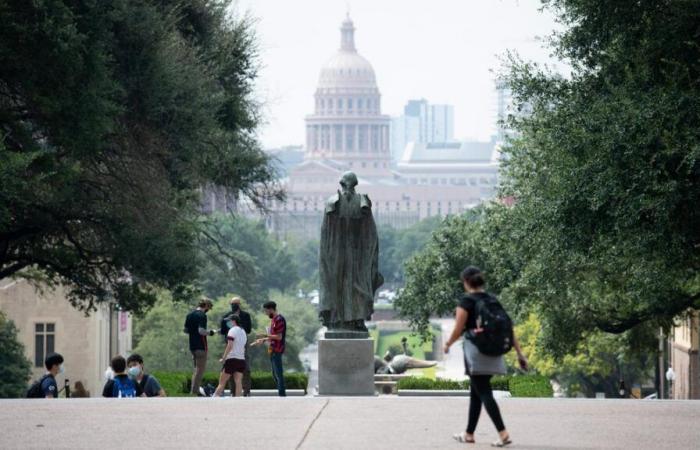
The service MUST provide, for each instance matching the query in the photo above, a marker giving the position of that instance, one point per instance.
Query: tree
(15, 369)
(397, 246)
(598, 363)
(243, 257)
(604, 167)
(159, 336)
(113, 117)
(479, 238)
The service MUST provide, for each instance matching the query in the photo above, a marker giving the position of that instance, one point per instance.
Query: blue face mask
(229, 324)
(61, 369)
(134, 371)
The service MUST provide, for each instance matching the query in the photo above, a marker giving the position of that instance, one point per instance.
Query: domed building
(347, 125)
(347, 131)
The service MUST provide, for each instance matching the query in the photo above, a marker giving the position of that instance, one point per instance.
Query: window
(44, 341)
(349, 104)
(340, 104)
(359, 104)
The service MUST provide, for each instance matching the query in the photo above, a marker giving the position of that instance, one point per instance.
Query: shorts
(234, 365)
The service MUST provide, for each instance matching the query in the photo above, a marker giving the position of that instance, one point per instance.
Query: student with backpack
(121, 386)
(148, 383)
(46, 387)
(488, 335)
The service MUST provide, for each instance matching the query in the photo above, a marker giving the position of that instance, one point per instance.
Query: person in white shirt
(234, 357)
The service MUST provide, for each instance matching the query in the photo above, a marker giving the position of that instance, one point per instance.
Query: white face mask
(61, 369)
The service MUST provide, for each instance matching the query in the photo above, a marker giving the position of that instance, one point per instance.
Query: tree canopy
(113, 117)
(15, 369)
(603, 169)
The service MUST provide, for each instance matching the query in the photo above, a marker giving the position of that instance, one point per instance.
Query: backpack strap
(143, 382)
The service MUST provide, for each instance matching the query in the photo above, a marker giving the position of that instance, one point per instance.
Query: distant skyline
(445, 51)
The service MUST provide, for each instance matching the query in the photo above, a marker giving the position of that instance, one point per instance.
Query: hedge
(178, 384)
(518, 385)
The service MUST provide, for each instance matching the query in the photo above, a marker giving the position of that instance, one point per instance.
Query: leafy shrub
(178, 384)
(530, 386)
(429, 384)
(518, 385)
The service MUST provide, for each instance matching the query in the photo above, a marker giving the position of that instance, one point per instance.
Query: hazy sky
(440, 50)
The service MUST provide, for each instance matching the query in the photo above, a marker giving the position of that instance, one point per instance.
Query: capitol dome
(347, 68)
(347, 125)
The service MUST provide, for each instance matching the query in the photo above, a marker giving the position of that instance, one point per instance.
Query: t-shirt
(108, 390)
(49, 387)
(195, 320)
(278, 326)
(239, 338)
(150, 385)
(468, 303)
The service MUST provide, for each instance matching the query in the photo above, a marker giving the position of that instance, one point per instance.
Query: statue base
(346, 367)
(346, 334)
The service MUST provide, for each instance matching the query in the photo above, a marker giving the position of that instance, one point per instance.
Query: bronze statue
(348, 261)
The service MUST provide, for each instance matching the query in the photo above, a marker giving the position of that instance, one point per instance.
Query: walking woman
(480, 367)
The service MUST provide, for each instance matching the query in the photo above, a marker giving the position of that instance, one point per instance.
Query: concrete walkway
(342, 423)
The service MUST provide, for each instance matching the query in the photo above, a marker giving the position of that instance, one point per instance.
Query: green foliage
(601, 169)
(432, 276)
(428, 384)
(530, 386)
(604, 167)
(518, 385)
(178, 384)
(397, 246)
(261, 262)
(15, 369)
(159, 336)
(104, 151)
(596, 365)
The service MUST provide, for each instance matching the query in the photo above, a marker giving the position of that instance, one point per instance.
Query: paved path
(452, 366)
(342, 423)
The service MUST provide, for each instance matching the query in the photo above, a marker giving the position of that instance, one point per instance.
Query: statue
(399, 364)
(348, 261)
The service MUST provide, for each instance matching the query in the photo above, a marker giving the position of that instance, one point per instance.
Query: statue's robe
(348, 260)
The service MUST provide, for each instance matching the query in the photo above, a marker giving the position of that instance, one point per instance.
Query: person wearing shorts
(234, 357)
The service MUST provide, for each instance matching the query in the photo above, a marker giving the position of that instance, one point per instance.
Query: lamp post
(671, 377)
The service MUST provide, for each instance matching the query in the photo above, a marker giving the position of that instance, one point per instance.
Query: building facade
(47, 323)
(685, 357)
(421, 123)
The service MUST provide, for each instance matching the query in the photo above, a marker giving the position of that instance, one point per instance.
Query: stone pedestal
(346, 367)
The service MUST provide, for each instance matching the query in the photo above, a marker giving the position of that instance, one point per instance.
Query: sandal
(502, 442)
(462, 437)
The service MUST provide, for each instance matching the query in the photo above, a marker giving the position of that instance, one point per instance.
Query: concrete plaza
(342, 423)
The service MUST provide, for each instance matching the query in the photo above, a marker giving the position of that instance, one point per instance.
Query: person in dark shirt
(54, 366)
(481, 367)
(276, 337)
(196, 328)
(121, 385)
(148, 383)
(247, 325)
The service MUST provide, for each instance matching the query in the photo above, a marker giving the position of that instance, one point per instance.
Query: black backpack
(494, 333)
(35, 390)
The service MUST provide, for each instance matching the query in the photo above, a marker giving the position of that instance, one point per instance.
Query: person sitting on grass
(121, 386)
(149, 384)
(234, 357)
